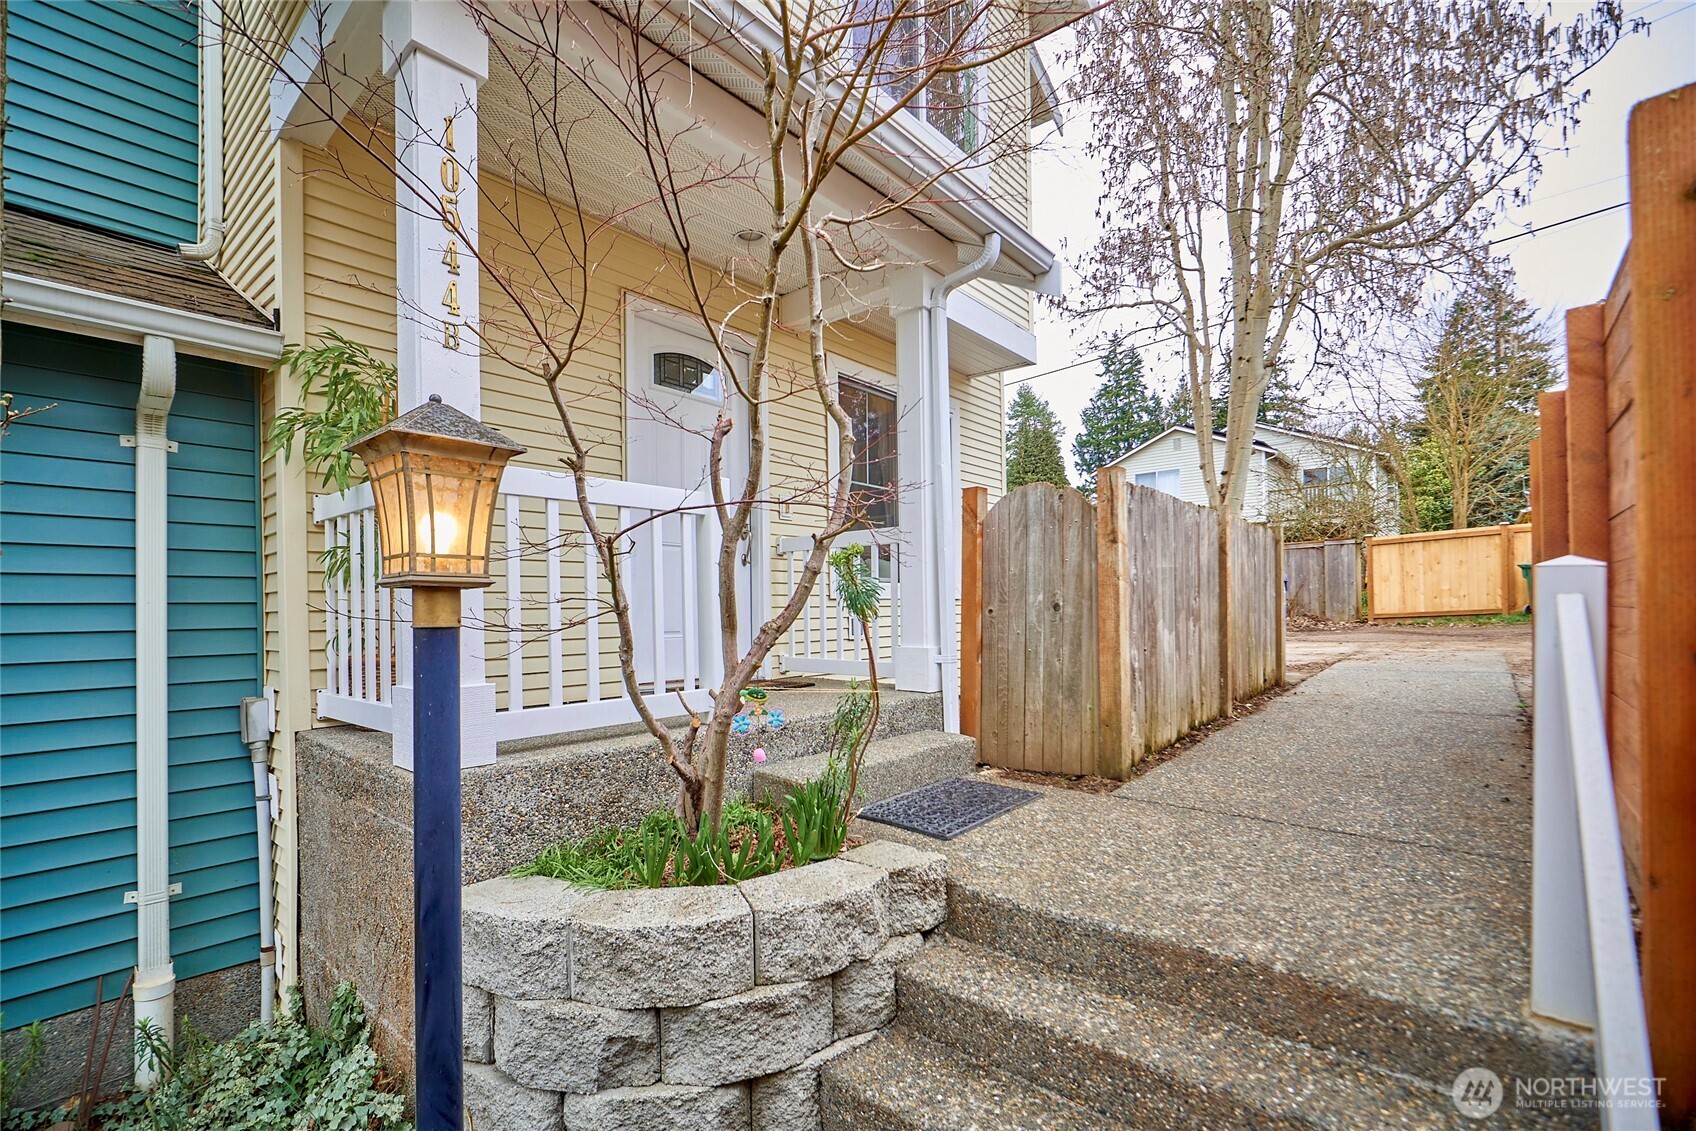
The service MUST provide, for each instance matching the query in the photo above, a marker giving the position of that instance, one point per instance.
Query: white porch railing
(826, 639)
(550, 641)
(1583, 950)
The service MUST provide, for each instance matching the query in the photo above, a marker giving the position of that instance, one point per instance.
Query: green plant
(815, 820)
(358, 396)
(696, 863)
(286, 1076)
(756, 855)
(855, 719)
(13, 1073)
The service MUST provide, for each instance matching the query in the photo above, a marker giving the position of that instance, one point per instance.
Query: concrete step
(1144, 1062)
(1426, 1043)
(903, 1082)
(892, 764)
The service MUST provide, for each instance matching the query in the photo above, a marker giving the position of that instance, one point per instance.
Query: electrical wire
(1180, 337)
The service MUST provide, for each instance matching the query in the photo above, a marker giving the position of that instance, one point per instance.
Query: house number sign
(452, 317)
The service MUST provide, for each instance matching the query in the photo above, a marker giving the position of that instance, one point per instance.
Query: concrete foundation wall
(356, 833)
(220, 1004)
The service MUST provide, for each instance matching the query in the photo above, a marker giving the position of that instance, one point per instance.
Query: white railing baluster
(344, 627)
(367, 576)
(385, 657)
(691, 613)
(592, 620)
(656, 593)
(514, 609)
(556, 643)
(1583, 949)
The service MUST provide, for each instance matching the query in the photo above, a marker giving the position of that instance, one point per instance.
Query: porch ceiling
(532, 112)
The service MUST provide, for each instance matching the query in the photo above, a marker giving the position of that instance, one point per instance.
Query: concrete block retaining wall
(710, 1008)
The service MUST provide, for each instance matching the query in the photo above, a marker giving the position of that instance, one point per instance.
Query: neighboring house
(1305, 480)
(129, 537)
(304, 225)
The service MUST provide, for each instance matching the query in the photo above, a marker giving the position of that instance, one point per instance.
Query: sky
(1569, 266)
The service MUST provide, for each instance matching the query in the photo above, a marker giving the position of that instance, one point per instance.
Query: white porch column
(438, 58)
(918, 649)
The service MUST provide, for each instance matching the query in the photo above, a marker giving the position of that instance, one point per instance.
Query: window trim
(972, 164)
(882, 384)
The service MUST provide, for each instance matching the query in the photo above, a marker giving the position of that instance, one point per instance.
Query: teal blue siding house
(129, 536)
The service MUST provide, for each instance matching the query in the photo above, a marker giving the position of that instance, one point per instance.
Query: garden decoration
(755, 716)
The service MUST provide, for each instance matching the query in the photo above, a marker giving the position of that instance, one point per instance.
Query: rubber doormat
(947, 808)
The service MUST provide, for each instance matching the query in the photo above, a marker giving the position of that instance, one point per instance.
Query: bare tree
(1275, 160)
(1281, 158)
(823, 79)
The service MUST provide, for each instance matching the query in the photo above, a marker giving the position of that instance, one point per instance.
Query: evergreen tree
(1033, 442)
(1123, 413)
(1477, 399)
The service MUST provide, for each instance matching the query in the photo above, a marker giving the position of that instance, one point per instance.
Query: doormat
(947, 808)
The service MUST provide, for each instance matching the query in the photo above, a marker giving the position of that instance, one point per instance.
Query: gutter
(155, 975)
(945, 515)
(211, 135)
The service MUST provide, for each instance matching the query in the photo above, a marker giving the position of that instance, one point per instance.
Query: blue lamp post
(435, 473)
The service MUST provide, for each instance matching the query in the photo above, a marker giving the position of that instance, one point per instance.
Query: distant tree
(1284, 404)
(1123, 413)
(1486, 357)
(1033, 442)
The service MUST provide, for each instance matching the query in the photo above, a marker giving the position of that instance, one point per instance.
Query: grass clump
(751, 839)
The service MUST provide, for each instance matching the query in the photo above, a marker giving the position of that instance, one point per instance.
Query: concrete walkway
(1341, 878)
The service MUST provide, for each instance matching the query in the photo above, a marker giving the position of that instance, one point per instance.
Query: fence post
(1116, 751)
(1510, 590)
(1284, 593)
(974, 504)
(1561, 982)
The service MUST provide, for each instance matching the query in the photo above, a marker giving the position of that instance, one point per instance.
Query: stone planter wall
(709, 1008)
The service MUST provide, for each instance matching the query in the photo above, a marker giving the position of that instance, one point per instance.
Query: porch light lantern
(435, 473)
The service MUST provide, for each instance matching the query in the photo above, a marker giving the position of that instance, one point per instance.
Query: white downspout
(155, 976)
(211, 134)
(258, 725)
(947, 527)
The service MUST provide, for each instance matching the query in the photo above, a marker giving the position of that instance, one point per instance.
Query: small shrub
(286, 1076)
(13, 1073)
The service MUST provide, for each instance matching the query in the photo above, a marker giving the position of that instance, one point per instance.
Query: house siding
(67, 671)
(103, 111)
(349, 252)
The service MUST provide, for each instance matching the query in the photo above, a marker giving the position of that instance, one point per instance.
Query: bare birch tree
(823, 78)
(1275, 160)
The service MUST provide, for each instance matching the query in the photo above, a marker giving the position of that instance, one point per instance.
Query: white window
(1319, 476)
(924, 37)
(1166, 480)
(874, 485)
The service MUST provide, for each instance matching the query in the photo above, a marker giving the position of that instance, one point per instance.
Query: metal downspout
(212, 134)
(155, 976)
(945, 514)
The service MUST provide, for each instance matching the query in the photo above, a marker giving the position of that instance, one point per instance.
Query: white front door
(674, 392)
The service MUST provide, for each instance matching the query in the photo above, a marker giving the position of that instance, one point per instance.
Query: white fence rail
(825, 639)
(1583, 950)
(550, 641)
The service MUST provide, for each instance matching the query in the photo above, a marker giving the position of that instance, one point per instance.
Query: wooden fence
(1611, 480)
(1448, 573)
(1323, 579)
(1100, 625)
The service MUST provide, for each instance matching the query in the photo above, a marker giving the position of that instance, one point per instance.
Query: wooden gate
(1448, 573)
(1322, 579)
(1040, 696)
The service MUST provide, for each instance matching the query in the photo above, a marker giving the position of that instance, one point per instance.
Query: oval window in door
(686, 373)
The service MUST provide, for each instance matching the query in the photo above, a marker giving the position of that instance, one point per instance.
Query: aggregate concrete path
(1368, 830)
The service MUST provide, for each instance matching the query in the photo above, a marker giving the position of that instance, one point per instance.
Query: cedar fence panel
(1448, 573)
(1039, 682)
(1100, 627)
(1323, 579)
